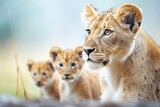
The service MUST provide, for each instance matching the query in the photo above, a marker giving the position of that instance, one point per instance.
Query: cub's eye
(73, 64)
(107, 32)
(88, 31)
(44, 74)
(60, 64)
(35, 74)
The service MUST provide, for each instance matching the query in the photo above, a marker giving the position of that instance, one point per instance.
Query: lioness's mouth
(89, 59)
(104, 62)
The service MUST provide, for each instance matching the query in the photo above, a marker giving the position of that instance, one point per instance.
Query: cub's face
(41, 72)
(68, 63)
(110, 34)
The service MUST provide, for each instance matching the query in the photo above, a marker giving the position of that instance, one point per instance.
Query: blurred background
(40, 24)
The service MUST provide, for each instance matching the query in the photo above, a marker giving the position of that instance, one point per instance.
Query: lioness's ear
(88, 14)
(30, 63)
(129, 16)
(50, 65)
(78, 51)
(54, 52)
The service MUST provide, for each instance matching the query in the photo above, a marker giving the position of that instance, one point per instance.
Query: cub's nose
(38, 83)
(88, 51)
(66, 75)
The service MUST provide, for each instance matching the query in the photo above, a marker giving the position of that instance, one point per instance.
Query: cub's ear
(54, 52)
(88, 14)
(129, 16)
(78, 51)
(49, 63)
(30, 63)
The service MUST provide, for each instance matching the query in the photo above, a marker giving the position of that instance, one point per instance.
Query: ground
(11, 101)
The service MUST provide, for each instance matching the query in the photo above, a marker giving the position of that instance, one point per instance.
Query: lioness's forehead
(101, 19)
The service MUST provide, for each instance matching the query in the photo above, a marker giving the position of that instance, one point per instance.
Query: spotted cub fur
(76, 83)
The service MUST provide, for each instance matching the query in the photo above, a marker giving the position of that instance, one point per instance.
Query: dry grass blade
(16, 60)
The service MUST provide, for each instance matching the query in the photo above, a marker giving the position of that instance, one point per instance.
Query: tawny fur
(80, 84)
(49, 82)
(128, 59)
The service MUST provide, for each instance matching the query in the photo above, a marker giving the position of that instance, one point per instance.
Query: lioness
(129, 57)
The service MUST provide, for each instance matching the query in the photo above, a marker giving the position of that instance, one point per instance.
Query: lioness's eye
(73, 64)
(88, 31)
(107, 32)
(60, 64)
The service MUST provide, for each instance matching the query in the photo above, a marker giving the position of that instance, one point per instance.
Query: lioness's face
(109, 34)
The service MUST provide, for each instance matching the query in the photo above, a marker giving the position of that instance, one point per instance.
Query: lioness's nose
(88, 51)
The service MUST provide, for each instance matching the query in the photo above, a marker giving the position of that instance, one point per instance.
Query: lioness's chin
(96, 65)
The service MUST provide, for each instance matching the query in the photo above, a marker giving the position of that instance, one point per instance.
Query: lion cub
(76, 83)
(45, 78)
